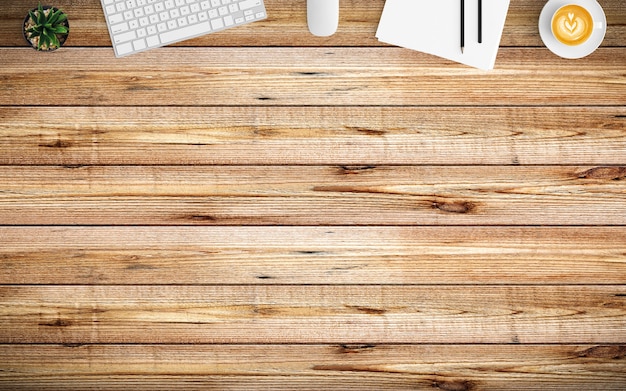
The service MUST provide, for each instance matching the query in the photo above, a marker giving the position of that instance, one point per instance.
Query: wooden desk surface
(263, 209)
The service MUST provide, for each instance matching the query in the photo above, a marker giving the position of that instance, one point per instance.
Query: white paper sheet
(434, 27)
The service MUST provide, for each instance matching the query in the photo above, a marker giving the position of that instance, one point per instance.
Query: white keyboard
(138, 25)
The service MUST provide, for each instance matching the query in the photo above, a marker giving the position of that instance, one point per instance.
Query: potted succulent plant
(46, 28)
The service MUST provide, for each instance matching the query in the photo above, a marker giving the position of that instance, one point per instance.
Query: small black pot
(62, 38)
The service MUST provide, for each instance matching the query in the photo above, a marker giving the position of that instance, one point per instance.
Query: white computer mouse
(322, 16)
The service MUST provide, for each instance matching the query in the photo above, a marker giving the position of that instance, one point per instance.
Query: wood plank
(312, 195)
(313, 135)
(311, 213)
(286, 25)
(312, 255)
(310, 76)
(313, 314)
(313, 367)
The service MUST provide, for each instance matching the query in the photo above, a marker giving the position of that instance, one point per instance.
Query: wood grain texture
(265, 209)
(312, 195)
(313, 367)
(313, 135)
(286, 25)
(313, 255)
(313, 313)
(311, 76)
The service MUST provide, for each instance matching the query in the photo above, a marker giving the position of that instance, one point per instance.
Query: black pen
(480, 21)
(462, 25)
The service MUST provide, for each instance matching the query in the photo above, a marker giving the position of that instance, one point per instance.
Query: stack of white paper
(434, 27)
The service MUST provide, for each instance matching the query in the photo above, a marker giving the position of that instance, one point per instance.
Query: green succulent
(44, 26)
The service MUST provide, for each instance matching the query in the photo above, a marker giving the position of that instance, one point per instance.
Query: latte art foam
(572, 24)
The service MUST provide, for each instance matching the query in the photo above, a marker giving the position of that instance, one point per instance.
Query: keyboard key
(124, 48)
(245, 4)
(153, 41)
(185, 32)
(116, 18)
(217, 23)
(139, 44)
(127, 36)
(119, 28)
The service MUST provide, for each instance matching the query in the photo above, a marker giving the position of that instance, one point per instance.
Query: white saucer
(578, 51)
